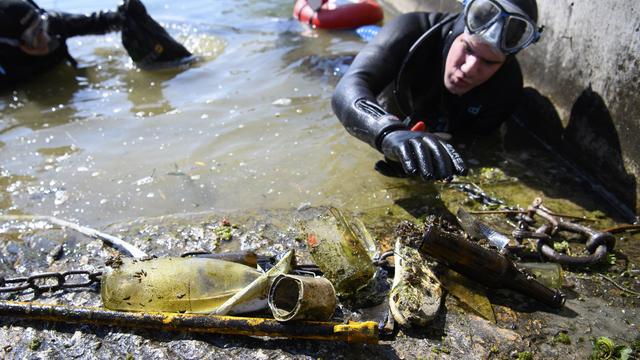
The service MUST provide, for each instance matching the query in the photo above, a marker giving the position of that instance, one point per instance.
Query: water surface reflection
(248, 126)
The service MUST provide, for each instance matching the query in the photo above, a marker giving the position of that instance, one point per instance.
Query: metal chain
(51, 281)
(597, 244)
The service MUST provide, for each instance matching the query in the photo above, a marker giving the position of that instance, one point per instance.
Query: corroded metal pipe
(352, 332)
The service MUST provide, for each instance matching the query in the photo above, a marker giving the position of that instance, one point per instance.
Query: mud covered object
(148, 43)
(188, 284)
(480, 264)
(416, 294)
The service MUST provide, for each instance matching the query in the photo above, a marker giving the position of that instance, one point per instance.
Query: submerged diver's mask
(31, 35)
(35, 22)
(501, 24)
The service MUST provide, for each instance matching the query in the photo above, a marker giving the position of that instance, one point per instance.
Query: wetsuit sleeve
(374, 68)
(66, 25)
(16, 66)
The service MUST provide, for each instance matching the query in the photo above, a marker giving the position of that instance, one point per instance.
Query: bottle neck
(529, 286)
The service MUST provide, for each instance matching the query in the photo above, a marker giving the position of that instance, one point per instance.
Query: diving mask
(501, 24)
(31, 36)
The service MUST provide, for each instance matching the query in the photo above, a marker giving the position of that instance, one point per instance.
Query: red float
(332, 14)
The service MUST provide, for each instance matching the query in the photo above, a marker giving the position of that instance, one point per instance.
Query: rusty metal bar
(352, 332)
(622, 228)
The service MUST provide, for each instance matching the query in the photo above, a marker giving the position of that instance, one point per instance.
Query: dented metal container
(294, 297)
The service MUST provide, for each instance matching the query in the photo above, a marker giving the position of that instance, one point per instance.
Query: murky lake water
(250, 126)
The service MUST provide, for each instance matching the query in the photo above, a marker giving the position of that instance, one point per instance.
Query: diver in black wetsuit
(436, 74)
(32, 40)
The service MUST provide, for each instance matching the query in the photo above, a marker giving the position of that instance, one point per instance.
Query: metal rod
(352, 332)
(622, 228)
(113, 241)
(490, 212)
(572, 217)
(596, 185)
(619, 286)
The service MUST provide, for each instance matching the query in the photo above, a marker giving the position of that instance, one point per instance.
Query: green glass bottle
(549, 274)
(174, 284)
(339, 252)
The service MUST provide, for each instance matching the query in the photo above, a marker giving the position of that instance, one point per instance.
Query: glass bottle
(550, 274)
(483, 265)
(339, 252)
(174, 284)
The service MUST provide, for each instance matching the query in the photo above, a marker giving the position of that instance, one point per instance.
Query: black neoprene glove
(146, 41)
(423, 154)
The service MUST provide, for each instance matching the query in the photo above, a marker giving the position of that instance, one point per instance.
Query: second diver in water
(33, 40)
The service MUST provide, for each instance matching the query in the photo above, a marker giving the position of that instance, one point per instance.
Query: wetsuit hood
(17, 15)
(456, 30)
(446, 29)
(439, 37)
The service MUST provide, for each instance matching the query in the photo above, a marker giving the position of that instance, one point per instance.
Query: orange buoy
(328, 14)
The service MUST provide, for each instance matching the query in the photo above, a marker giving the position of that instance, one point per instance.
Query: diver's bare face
(40, 47)
(470, 63)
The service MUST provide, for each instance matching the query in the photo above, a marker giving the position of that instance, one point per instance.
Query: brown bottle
(483, 265)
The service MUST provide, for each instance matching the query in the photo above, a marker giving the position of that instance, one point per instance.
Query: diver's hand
(423, 154)
(148, 44)
(134, 8)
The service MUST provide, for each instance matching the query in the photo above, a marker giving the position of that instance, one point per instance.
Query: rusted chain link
(382, 259)
(474, 192)
(597, 243)
(51, 281)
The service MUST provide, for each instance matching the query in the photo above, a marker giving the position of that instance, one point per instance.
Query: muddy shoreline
(594, 306)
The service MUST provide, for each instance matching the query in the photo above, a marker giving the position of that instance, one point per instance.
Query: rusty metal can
(294, 297)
